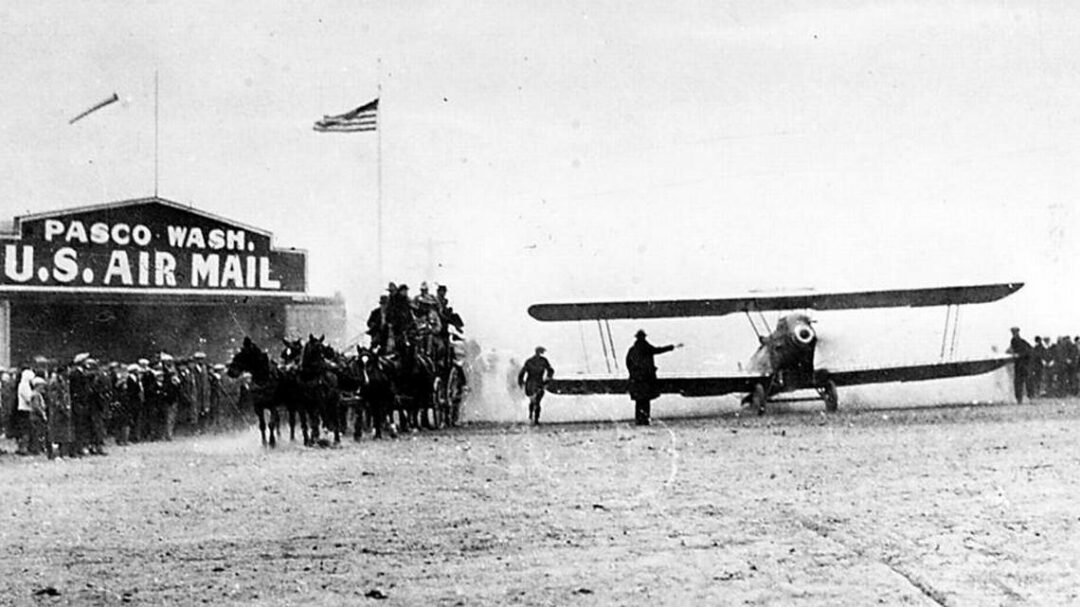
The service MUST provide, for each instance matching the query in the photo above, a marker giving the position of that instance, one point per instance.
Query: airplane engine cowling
(803, 334)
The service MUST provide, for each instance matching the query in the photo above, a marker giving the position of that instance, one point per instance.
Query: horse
(265, 382)
(376, 390)
(318, 375)
(413, 381)
(293, 392)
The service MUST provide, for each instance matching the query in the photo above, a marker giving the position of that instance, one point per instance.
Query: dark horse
(292, 392)
(264, 389)
(413, 381)
(376, 390)
(321, 395)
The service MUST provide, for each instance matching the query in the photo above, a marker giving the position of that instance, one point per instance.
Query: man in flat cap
(200, 376)
(79, 389)
(642, 368)
(169, 393)
(533, 375)
(98, 398)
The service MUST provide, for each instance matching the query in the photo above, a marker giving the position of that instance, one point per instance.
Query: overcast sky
(578, 150)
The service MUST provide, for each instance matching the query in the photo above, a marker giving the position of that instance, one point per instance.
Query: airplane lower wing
(881, 375)
(686, 386)
(744, 384)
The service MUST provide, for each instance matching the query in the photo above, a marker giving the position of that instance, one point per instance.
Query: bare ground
(947, 505)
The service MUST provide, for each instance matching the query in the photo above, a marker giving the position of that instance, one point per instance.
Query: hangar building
(130, 279)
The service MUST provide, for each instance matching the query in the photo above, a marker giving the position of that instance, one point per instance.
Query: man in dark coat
(401, 320)
(99, 394)
(377, 322)
(79, 390)
(200, 377)
(533, 375)
(1021, 349)
(58, 401)
(642, 367)
(1039, 357)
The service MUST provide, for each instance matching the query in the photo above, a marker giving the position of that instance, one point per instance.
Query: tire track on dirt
(862, 550)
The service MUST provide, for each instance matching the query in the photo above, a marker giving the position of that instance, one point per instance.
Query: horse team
(318, 386)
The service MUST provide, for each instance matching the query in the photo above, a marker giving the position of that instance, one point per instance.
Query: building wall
(318, 320)
(127, 332)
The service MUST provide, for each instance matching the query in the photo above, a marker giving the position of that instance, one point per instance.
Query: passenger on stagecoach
(400, 318)
(429, 325)
(449, 317)
(440, 298)
(425, 298)
(377, 323)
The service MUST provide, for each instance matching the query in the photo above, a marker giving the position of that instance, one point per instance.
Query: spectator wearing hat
(215, 394)
(58, 403)
(1021, 351)
(38, 436)
(536, 372)
(641, 365)
(79, 386)
(1040, 355)
(188, 405)
(129, 397)
(169, 394)
(200, 376)
(98, 401)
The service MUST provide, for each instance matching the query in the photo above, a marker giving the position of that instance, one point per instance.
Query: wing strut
(950, 337)
(764, 324)
(603, 344)
(584, 350)
(611, 342)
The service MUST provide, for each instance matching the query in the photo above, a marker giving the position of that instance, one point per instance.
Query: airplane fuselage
(787, 354)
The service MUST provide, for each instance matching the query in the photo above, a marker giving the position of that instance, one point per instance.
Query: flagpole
(156, 146)
(378, 179)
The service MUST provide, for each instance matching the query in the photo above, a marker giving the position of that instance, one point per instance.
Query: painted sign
(146, 244)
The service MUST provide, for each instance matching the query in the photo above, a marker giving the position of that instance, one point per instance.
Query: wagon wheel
(439, 403)
(455, 393)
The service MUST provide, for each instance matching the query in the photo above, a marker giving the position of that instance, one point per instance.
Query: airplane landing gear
(757, 399)
(828, 394)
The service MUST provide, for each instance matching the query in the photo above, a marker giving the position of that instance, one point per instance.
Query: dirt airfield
(946, 505)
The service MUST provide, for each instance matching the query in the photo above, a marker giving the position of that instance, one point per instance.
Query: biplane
(784, 361)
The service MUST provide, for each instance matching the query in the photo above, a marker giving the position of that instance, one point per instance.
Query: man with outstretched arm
(642, 367)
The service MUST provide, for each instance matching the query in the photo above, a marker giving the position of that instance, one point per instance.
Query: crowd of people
(1049, 368)
(70, 409)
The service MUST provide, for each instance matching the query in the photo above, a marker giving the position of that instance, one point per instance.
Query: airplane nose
(804, 335)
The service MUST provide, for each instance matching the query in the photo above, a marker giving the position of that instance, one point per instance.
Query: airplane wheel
(832, 401)
(757, 399)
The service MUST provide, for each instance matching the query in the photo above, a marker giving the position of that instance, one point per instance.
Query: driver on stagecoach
(400, 319)
(377, 323)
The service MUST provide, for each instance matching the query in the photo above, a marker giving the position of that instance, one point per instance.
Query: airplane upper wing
(675, 308)
(854, 377)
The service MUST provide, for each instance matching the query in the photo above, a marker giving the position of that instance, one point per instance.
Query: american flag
(363, 118)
